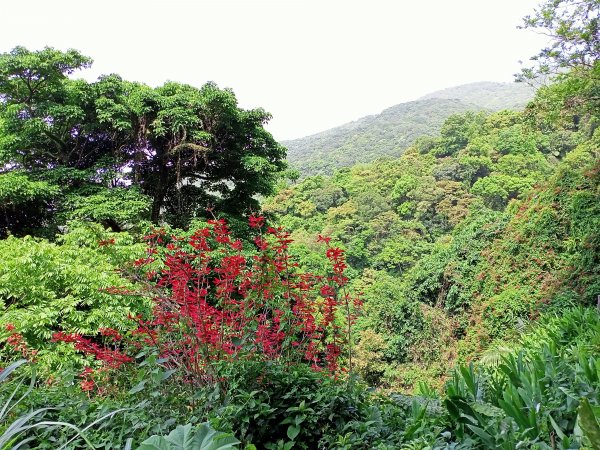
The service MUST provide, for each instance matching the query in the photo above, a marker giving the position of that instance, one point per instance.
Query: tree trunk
(161, 190)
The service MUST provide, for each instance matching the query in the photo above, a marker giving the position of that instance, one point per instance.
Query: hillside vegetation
(489, 95)
(163, 287)
(395, 129)
(466, 236)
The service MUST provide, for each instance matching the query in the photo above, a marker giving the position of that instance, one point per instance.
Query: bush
(529, 395)
(74, 279)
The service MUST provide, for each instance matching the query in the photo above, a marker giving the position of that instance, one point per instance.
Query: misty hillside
(392, 131)
(487, 94)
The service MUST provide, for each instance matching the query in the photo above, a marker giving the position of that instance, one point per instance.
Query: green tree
(574, 30)
(191, 148)
(186, 149)
(24, 203)
(456, 132)
(65, 285)
(397, 319)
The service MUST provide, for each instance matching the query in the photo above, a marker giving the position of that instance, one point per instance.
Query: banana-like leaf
(182, 438)
(589, 424)
(11, 368)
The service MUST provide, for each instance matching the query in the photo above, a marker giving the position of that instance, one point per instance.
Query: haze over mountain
(394, 129)
(488, 94)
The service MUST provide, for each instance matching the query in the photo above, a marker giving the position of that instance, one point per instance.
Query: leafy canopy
(574, 30)
(184, 149)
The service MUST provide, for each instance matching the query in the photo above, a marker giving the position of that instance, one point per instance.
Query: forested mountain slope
(488, 94)
(395, 129)
(466, 236)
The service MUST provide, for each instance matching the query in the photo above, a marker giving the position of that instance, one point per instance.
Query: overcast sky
(313, 64)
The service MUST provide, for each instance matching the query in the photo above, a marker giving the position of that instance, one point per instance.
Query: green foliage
(551, 239)
(125, 151)
(589, 424)
(537, 395)
(275, 408)
(566, 111)
(399, 127)
(515, 140)
(506, 311)
(14, 430)
(115, 208)
(16, 190)
(497, 189)
(32, 420)
(397, 319)
(24, 203)
(266, 405)
(387, 213)
(185, 437)
(487, 224)
(69, 293)
(124, 416)
(457, 131)
(446, 277)
(572, 27)
(372, 137)
(498, 269)
(532, 396)
(458, 241)
(365, 210)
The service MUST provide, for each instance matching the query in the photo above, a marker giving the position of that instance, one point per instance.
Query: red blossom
(324, 239)
(327, 291)
(111, 333)
(334, 253)
(256, 221)
(111, 357)
(213, 303)
(87, 385)
(18, 344)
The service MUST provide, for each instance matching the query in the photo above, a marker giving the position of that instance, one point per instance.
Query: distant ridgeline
(467, 235)
(396, 128)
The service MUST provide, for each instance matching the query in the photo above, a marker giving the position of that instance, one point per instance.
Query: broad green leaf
(589, 424)
(138, 387)
(293, 431)
(207, 438)
(155, 443)
(182, 438)
(486, 409)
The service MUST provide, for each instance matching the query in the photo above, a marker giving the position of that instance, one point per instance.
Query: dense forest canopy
(395, 129)
(160, 279)
(168, 152)
(440, 230)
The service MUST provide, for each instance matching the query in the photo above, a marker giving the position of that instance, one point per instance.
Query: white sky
(313, 64)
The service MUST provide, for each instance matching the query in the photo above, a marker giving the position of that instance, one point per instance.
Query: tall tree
(191, 148)
(187, 149)
(574, 30)
(46, 115)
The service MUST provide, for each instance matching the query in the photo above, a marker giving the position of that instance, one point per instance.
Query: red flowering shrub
(112, 358)
(17, 343)
(216, 300)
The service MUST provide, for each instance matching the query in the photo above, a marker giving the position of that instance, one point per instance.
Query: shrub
(67, 285)
(215, 301)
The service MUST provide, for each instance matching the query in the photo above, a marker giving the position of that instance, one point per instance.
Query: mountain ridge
(488, 94)
(393, 130)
